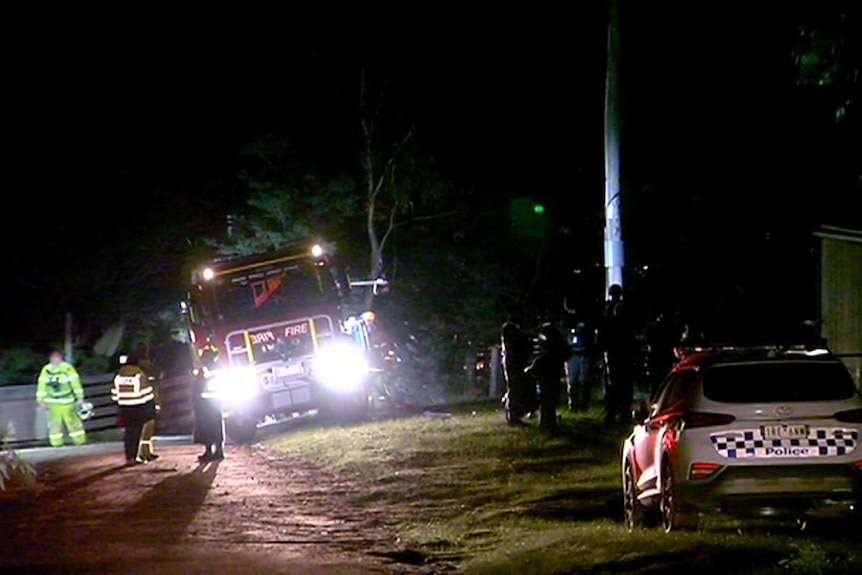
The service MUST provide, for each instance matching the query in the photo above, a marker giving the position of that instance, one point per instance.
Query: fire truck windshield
(252, 293)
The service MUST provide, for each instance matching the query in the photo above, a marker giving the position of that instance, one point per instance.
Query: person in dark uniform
(578, 367)
(520, 398)
(547, 369)
(617, 341)
(209, 421)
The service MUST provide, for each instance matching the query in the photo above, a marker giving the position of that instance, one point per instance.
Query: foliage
(451, 279)
(442, 296)
(20, 365)
(13, 468)
(828, 55)
(287, 202)
(87, 363)
(401, 184)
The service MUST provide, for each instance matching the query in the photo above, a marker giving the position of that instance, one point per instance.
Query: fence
(23, 424)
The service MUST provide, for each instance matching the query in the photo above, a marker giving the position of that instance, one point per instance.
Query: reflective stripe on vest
(129, 391)
(59, 400)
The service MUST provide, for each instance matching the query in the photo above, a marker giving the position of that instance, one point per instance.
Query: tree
(287, 201)
(828, 55)
(400, 183)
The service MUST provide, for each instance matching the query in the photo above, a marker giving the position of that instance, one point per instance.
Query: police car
(763, 431)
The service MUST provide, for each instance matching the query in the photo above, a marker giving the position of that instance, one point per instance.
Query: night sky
(140, 123)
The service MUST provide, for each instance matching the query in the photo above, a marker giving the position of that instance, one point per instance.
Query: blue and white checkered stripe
(823, 442)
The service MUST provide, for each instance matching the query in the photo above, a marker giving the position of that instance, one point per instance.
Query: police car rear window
(779, 381)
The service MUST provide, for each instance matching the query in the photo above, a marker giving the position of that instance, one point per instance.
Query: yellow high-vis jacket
(59, 384)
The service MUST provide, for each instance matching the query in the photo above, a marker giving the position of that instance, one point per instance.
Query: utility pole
(69, 348)
(614, 256)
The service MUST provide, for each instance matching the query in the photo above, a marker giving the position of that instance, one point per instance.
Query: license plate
(784, 431)
(287, 370)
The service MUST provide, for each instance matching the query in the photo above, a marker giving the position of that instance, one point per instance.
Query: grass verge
(468, 493)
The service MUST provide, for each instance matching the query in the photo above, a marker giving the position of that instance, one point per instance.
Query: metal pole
(614, 254)
(68, 345)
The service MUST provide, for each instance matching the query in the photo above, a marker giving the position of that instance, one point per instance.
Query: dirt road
(257, 511)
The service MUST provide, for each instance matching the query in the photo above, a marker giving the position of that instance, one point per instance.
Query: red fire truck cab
(274, 336)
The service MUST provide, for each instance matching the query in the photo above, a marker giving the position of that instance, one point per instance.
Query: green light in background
(529, 217)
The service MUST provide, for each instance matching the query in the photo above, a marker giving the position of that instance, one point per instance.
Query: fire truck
(276, 336)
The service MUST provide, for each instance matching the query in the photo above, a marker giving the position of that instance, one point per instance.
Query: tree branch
(424, 218)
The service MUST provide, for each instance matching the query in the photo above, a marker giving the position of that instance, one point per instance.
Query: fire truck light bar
(208, 274)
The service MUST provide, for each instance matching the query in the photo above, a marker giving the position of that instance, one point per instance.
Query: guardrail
(23, 424)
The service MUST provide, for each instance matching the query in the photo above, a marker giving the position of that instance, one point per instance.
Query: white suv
(747, 432)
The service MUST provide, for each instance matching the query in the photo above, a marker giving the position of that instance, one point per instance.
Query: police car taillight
(850, 416)
(699, 471)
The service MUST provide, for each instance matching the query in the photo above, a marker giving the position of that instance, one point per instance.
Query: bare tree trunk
(373, 181)
(379, 179)
(381, 182)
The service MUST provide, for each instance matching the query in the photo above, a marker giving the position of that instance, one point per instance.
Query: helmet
(85, 410)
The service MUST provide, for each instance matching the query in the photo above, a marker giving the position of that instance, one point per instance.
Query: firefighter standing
(209, 421)
(134, 394)
(145, 361)
(59, 390)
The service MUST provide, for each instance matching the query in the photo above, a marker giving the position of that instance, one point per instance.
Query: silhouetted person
(209, 420)
(616, 339)
(516, 350)
(581, 337)
(547, 369)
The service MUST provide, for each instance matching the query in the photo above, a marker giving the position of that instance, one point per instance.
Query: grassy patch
(468, 491)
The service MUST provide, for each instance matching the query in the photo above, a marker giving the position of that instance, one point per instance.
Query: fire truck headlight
(341, 367)
(234, 386)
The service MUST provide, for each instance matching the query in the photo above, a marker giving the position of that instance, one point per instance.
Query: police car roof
(713, 354)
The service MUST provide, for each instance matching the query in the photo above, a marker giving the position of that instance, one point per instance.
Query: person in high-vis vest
(135, 396)
(145, 361)
(59, 391)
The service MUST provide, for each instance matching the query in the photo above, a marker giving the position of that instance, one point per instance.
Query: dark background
(125, 130)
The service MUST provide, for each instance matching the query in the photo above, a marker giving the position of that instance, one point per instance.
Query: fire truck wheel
(240, 431)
